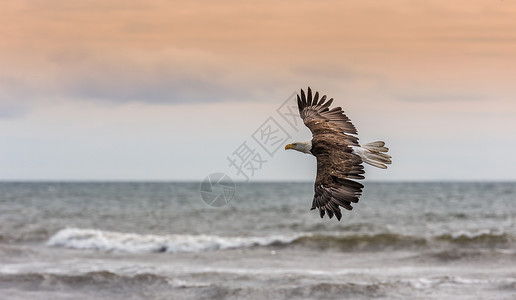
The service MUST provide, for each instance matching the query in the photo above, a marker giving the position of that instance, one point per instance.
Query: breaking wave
(485, 238)
(109, 241)
(138, 243)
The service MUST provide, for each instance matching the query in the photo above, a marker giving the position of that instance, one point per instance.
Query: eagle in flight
(339, 155)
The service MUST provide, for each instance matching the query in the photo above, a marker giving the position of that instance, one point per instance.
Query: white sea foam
(425, 283)
(137, 243)
(474, 234)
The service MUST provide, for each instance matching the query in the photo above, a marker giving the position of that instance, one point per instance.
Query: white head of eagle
(304, 147)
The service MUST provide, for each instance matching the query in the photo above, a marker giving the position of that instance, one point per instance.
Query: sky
(178, 90)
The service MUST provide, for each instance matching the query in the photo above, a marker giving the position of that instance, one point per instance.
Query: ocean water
(161, 241)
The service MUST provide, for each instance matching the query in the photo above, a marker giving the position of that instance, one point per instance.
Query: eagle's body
(339, 155)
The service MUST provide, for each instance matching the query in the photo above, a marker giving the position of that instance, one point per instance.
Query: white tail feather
(374, 153)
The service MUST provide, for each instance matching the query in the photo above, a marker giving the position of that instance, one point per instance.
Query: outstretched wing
(333, 136)
(319, 118)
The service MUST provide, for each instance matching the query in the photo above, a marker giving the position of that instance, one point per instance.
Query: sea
(160, 240)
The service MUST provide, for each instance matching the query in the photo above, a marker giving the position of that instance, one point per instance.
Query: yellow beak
(289, 146)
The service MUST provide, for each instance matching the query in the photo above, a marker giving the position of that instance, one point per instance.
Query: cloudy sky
(174, 90)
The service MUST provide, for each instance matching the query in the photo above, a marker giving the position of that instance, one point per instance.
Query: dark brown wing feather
(336, 163)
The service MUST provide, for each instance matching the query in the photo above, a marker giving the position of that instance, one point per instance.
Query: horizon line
(250, 182)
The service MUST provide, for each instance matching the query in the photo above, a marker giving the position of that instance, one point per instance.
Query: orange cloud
(396, 49)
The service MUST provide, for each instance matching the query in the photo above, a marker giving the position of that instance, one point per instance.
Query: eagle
(339, 155)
